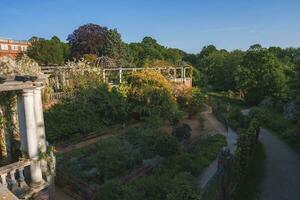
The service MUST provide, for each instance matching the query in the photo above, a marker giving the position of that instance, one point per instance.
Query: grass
(250, 188)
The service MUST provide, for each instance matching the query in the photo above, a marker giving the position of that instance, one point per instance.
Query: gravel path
(61, 195)
(231, 138)
(282, 181)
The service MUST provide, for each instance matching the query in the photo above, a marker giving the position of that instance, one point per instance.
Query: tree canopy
(261, 75)
(87, 39)
(46, 52)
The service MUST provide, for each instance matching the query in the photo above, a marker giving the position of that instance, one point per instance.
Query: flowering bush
(82, 75)
(150, 94)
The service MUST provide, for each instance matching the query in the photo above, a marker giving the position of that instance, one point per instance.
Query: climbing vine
(9, 126)
(9, 132)
(246, 146)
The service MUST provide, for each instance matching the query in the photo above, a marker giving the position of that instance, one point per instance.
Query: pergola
(32, 138)
(176, 74)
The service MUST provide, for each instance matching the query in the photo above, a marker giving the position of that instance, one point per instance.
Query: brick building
(11, 48)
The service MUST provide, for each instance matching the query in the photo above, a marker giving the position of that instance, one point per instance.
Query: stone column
(40, 127)
(31, 137)
(120, 76)
(22, 125)
(39, 118)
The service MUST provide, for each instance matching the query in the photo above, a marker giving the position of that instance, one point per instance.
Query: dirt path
(61, 195)
(93, 138)
(211, 124)
(282, 181)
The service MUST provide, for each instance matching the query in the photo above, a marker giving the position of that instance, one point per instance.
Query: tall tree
(46, 52)
(219, 69)
(114, 47)
(87, 39)
(261, 75)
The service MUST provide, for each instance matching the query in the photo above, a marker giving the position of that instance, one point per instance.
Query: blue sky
(184, 24)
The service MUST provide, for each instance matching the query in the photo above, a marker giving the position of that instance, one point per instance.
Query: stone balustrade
(13, 177)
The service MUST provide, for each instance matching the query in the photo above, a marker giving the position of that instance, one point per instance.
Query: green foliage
(182, 132)
(114, 48)
(220, 64)
(182, 186)
(151, 142)
(112, 158)
(246, 147)
(253, 180)
(48, 52)
(261, 75)
(199, 155)
(115, 156)
(166, 145)
(191, 100)
(90, 110)
(149, 50)
(286, 129)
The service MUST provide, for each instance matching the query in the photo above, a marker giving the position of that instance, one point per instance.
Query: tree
(147, 51)
(261, 75)
(87, 39)
(206, 50)
(114, 47)
(216, 69)
(295, 83)
(46, 52)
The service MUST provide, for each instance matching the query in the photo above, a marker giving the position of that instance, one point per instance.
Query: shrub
(176, 117)
(182, 131)
(150, 142)
(293, 135)
(149, 94)
(209, 147)
(166, 145)
(113, 157)
(236, 119)
(143, 139)
(185, 162)
(182, 186)
(292, 111)
(191, 100)
(90, 110)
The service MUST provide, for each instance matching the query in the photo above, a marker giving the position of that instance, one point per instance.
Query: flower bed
(128, 160)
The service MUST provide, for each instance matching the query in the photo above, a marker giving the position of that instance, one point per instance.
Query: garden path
(93, 138)
(60, 195)
(231, 138)
(282, 179)
(211, 124)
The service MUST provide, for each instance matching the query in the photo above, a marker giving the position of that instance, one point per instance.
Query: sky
(185, 24)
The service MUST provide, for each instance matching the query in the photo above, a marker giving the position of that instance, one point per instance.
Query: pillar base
(37, 185)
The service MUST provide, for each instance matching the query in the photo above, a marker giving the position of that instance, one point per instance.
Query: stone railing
(13, 178)
(61, 95)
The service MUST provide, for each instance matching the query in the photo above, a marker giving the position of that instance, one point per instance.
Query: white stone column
(40, 127)
(39, 118)
(120, 76)
(31, 137)
(22, 124)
